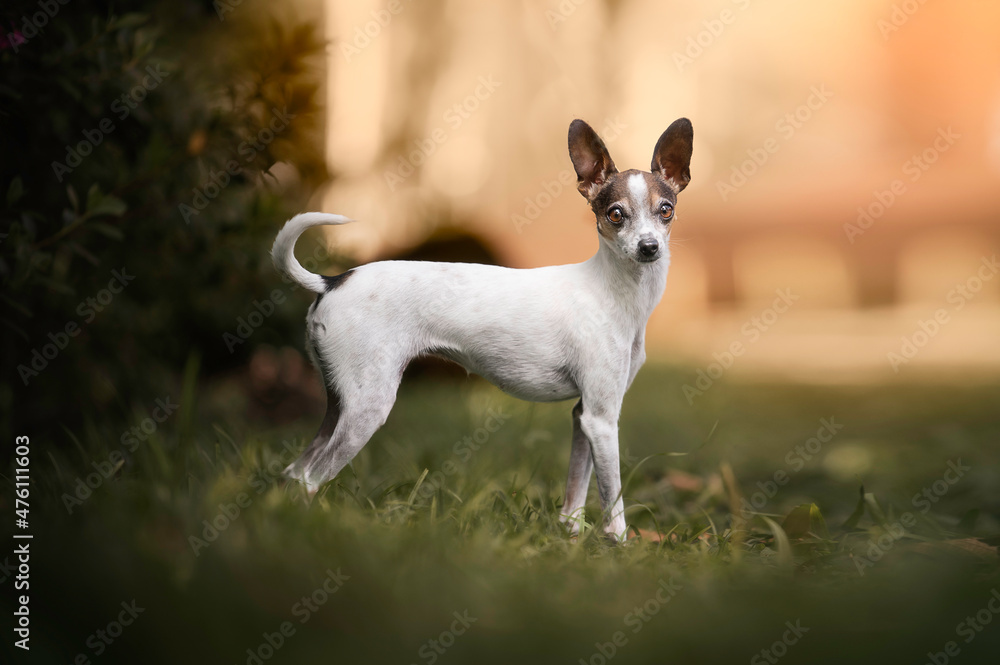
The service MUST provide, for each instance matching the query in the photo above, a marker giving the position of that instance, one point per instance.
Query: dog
(543, 334)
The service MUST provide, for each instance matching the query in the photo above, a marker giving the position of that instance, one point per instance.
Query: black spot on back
(332, 282)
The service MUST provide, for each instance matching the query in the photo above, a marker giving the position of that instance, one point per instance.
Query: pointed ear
(672, 154)
(590, 159)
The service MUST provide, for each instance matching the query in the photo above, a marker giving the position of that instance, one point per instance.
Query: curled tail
(283, 251)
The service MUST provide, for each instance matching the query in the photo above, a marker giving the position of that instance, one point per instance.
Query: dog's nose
(648, 247)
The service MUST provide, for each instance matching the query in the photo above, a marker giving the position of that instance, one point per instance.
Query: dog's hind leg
(296, 470)
(365, 403)
(581, 467)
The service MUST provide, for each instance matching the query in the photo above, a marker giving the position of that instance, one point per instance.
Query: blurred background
(833, 261)
(846, 155)
(805, 116)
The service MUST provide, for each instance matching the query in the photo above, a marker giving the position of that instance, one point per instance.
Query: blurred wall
(846, 154)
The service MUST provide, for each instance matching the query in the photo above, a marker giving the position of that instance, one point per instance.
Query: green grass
(485, 538)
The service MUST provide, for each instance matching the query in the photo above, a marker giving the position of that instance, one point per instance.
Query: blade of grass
(783, 547)
(416, 486)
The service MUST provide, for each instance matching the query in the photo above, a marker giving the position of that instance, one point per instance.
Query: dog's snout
(648, 247)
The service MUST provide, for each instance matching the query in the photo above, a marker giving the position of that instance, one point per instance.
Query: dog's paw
(572, 523)
(615, 536)
(295, 482)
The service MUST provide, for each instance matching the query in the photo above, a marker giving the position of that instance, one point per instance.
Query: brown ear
(590, 158)
(672, 154)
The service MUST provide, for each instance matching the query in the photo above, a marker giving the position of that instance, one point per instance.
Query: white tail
(283, 251)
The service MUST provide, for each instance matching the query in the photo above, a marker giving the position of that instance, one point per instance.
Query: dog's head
(634, 209)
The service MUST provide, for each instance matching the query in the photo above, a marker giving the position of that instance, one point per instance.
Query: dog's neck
(635, 288)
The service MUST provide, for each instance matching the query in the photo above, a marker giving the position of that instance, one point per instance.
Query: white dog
(542, 334)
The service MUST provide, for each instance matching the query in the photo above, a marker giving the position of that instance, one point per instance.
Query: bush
(140, 192)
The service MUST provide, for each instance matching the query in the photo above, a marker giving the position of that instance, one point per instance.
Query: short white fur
(544, 334)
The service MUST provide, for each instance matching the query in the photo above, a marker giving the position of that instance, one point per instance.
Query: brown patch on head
(590, 157)
(604, 187)
(672, 153)
(606, 228)
(660, 189)
(616, 191)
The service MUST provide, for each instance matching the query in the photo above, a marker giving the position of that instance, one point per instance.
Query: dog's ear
(590, 158)
(672, 154)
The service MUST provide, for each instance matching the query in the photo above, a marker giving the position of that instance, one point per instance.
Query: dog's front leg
(599, 423)
(581, 466)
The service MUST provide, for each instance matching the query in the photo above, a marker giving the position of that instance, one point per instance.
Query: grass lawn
(439, 548)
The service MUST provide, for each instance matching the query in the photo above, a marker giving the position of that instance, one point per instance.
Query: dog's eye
(666, 212)
(615, 215)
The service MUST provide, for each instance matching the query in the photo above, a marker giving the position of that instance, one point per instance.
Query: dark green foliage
(198, 93)
(485, 537)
